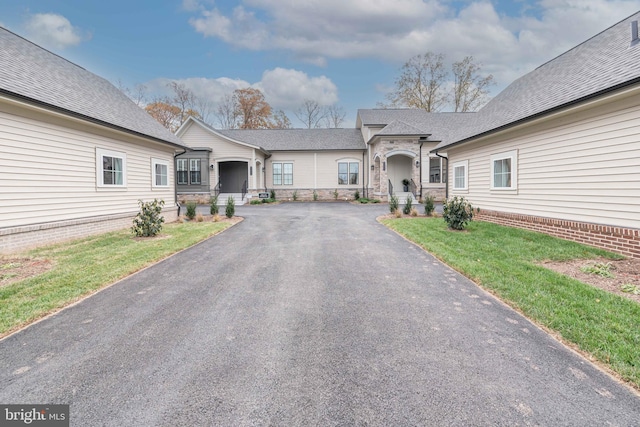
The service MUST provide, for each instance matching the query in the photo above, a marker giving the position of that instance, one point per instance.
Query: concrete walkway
(305, 314)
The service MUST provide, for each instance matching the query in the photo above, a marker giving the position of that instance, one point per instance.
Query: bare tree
(470, 89)
(334, 116)
(184, 99)
(420, 84)
(138, 94)
(226, 113)
(280, 120)
(311, 113)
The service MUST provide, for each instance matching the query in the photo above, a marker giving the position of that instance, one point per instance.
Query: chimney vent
(634, 33)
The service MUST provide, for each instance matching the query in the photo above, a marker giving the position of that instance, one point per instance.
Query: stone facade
(324, 194)
(625, 241)
(382, 151)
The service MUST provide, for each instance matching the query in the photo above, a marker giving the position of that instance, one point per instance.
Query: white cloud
(52, 30)
(283, 88)
(508, 46)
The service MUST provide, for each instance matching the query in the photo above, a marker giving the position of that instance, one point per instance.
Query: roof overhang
(212, 131)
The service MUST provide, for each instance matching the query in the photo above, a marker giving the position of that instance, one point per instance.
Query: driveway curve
(305, 314)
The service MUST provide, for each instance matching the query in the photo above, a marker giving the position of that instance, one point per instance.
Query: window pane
(288, 173)
(434, 170)
(112, 172)
(161, 174)
(277, 174)
(502, 173)
(343, 174)
(353, 173)
(194, 166)
(458, 173)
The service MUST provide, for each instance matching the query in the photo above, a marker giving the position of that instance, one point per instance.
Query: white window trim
(155, 162)
(100, 153)
(513, 155)
(282, 163)
(186, 169)
(348, 161)
(465, 164)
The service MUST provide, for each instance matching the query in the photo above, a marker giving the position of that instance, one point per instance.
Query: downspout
(420, 168)
(366, 169)
(175, 186)
(446, 185)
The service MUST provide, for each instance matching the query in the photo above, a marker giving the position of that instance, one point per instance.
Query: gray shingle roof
(439, 125)
(32, 72)
(299, 139)
(601, 63)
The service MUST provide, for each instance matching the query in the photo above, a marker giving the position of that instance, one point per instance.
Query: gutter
(89, 119)
(175, 186)
(541, 114)
(446, 184)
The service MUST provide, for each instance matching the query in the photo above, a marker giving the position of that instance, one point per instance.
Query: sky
(346, 53)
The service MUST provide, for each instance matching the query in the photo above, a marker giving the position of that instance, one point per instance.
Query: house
(246, 162)
(76, 154)
(558, 150)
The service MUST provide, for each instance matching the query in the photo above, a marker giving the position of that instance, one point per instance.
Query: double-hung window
(282, 173)
(435, 171)
(194, 168)
(182, 172)
(504, 168)
(160, 173)
(111, 168)
(348, 173)
(461, 175)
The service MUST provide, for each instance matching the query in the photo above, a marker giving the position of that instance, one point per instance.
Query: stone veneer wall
(625, 241)
(323, 193)
(15, 239)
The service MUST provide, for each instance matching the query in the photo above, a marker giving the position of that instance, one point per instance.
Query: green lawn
(504, 261)
(86, 265)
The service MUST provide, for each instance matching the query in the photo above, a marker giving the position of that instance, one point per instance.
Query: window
(348, 173)
(194, 168)
(435, 168)
(182, 172)
(282, 173)
(460, 175)
(160, 173)
(111, 168)
(503, 171)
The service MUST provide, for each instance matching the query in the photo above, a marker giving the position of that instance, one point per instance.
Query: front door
(232, 176)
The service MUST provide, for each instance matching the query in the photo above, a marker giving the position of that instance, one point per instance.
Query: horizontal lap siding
(195, 136)
(583, 167)
(48, 170)
(328, 168)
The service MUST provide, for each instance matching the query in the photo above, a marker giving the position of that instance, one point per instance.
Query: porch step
(402, 198)
(237, 199)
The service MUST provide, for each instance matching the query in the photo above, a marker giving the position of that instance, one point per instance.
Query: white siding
(584, 167)
(223, 149)
(314, 169)
(48, 170)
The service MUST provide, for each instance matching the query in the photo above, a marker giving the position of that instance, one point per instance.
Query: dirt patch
(15, 269)
(626, 274)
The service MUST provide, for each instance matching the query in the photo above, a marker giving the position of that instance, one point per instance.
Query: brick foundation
(15, 239)
(625, 241)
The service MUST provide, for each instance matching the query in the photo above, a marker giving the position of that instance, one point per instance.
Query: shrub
(272, 194)
(230, 210)
(335, 194)
(199, 217)
(429, 205)
(356, 195)
(457, 212)
(191, 210)
(414, 212)
(295, 195)
(213, 205)
(393, 203)
(315, 195)
(398, 213)
(257, 202)
(216, 218)
(148, 222)
(407, 206)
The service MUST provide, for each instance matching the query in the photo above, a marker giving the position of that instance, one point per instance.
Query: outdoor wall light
(211, 166)
(372, 167)
(417, 163)
(250, 170)
(384, 166)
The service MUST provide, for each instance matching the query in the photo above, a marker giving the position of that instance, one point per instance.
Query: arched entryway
(232, 176)
(399, 168)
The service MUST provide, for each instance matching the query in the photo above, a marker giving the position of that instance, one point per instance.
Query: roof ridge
(45, 49)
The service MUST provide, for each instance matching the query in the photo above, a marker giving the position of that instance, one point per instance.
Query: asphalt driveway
(305, 314)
